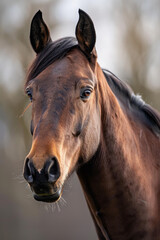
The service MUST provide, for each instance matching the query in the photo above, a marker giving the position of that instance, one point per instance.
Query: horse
(85, 119)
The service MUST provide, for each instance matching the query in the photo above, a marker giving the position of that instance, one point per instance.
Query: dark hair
(126, 96)
(52, 52)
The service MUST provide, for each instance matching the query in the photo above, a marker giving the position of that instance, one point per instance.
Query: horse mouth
(49, 198)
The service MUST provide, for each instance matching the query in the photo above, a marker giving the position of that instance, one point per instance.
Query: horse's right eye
(29, 93)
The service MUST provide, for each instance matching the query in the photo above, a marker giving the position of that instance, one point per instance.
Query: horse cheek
(91, 138)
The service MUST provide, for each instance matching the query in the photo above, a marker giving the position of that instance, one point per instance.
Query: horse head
(62, 86)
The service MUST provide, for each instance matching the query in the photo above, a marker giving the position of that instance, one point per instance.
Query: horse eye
(85, 93)
(28, 92)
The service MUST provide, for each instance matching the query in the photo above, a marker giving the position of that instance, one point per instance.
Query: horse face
(65, 119)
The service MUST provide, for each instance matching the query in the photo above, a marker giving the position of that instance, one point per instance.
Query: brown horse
(85, 119)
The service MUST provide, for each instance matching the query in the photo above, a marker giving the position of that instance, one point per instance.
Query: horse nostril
(48, 174)
(28, 171)
(52, 170)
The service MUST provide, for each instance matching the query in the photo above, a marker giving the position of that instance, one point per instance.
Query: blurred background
(128, 44)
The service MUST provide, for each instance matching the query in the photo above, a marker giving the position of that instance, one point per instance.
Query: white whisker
(63, 201)
(46, 207)
(49, 206)
(58, 207)
(27, 186)
(53, 207)
(29, 196)
(22, 181)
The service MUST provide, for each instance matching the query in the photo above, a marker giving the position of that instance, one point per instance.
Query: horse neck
(113, 179)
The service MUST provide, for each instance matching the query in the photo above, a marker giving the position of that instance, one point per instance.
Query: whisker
(53, 207)
(18, 177)
(25, 110)
(46, 207)
(63, 201)
(58, 207)
(50, 206)
(27, 186)
(29, 196)
(21, 181)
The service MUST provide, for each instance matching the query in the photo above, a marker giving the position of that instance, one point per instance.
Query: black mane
(126, 96)
(58, 49)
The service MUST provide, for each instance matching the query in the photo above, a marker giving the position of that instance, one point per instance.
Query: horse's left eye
(28, 92)
(85, 93)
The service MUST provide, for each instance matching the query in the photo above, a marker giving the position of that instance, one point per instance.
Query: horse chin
(49, 198)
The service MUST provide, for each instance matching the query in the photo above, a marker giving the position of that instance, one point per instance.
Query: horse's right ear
(39, 33)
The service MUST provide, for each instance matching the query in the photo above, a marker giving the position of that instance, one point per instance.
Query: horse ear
(85, 33)
(39, 33)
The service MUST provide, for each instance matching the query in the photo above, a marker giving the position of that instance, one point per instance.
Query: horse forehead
(65, 72)
(74, 64)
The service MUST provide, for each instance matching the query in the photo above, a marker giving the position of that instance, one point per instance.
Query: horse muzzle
(44, 182)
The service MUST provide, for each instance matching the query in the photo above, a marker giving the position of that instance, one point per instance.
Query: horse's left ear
(39, 33)
(85, 33)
